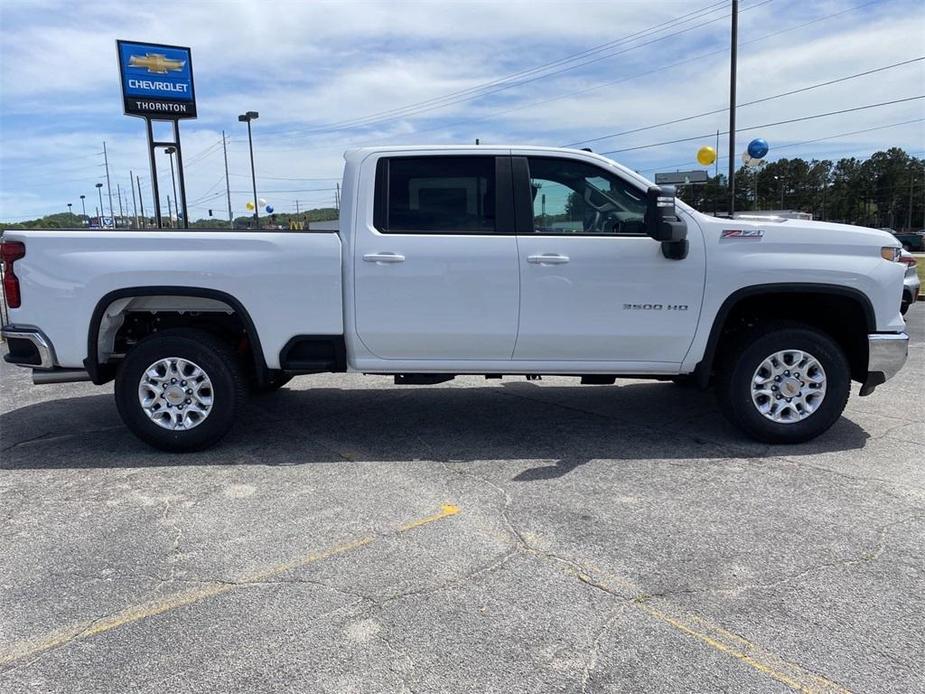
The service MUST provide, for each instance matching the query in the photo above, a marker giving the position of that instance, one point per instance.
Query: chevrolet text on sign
(157, 80)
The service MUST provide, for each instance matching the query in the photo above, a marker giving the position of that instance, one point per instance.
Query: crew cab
(486, 260)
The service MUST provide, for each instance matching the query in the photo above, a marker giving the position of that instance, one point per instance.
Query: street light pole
(170, 152)
(247, 118)
(83, 204)
(99, 190)
(69, 208)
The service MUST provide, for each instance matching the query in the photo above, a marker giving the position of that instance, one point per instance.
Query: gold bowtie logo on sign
(158, 63)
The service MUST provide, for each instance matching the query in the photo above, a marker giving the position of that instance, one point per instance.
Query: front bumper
(28, 347)
(886, 355)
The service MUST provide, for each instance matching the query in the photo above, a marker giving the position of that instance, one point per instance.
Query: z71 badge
(742, 234)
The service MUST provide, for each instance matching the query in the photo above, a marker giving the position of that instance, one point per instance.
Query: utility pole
(716, 164)
(169, 212)
(121, 213)
(297, 206)
(732, 105)
(337, 198)
(131, 184)
(227, 184)
(108, 184)
(141, 204)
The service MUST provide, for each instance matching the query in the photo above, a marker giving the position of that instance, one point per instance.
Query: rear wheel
(179, 390)
(787, 383)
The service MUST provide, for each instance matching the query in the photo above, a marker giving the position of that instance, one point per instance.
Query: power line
(286, 178)
(766, 125)
(662, 68)
(634, 76)
(667, 167)
(451, 99)
(748, 103)
(521, 73)
(292, 190)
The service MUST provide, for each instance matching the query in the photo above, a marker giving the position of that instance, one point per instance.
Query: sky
(329, 76)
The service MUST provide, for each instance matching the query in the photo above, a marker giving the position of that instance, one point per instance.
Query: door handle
(381, 258)
(548, 259)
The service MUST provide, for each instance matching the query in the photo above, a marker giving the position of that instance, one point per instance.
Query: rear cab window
(436, 195)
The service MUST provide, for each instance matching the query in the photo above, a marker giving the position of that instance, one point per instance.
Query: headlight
(890, 253)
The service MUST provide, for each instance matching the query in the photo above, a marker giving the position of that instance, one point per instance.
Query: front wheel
(179, 390)
(787, 383)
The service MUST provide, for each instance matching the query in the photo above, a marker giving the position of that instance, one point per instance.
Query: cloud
(359, 65)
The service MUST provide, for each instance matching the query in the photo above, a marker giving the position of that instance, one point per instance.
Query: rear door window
(436, 195)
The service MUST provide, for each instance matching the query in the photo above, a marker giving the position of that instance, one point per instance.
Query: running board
(43, 377)
(422, 379)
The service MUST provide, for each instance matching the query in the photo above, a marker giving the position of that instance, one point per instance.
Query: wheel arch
(740, 299)
(101, 373)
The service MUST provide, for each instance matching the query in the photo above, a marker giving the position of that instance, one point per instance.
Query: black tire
(743, 358)
(213, 357)
(274, 385)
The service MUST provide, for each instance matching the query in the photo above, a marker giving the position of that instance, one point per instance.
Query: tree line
(885, 190)
(69, 220)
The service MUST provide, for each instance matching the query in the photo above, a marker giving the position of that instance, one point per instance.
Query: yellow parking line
(152, 608)
(445, 511)
(751, 654)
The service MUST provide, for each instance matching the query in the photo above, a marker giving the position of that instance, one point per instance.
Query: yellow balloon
(249, 205)
(706, 156)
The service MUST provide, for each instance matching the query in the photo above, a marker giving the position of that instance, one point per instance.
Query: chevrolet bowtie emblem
(157, 63)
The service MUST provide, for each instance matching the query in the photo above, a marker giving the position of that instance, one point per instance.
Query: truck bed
(288, 282)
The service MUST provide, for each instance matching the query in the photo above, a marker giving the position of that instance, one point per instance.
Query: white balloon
(263, 203)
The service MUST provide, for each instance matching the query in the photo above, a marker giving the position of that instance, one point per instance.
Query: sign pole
(154, 187)
(176, 139)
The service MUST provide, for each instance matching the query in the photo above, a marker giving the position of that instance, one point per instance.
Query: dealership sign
(681, 177)
(157, 80)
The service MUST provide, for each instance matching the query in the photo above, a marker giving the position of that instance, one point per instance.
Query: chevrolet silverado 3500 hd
(466, 260)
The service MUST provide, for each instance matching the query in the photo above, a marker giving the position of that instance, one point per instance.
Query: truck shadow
(550, 429)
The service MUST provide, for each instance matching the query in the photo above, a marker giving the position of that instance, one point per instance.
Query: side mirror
(662, 221)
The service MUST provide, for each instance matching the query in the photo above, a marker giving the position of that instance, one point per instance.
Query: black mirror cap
(662, 221)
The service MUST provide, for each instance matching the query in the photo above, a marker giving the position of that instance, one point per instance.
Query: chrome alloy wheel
(175, 393)
(788, 386)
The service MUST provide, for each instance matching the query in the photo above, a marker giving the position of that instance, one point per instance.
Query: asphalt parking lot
(355, 536)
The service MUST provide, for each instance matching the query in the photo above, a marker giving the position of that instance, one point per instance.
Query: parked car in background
(911, 240)
(911, 282)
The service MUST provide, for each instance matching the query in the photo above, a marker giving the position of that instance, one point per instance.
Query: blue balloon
(269, 209)
(758, 147)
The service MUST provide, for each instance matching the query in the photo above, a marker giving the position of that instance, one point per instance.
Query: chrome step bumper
(886, 354)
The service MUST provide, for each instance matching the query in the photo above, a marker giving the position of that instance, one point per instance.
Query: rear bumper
(28, 347)
(886, 355)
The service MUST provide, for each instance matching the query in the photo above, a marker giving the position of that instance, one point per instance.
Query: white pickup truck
(466, 260)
